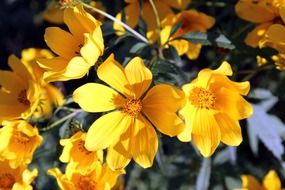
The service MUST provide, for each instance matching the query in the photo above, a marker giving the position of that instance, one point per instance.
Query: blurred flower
(77, 51)
(54, 12)
(192, 21)
(19, 141)
(133, 12)
(16, 178)
(102, 177)
(19, 93)
(214, 106)
(270, 182)
(49, 95)
(262, 12)
(261, 60)
(279, 61)
(127, 128)
(77, 155)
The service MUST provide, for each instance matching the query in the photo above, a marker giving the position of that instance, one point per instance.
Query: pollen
(6, 181)
(85, 183)
(22, 98)
(22, 138)
(202, 98)
(132, 107)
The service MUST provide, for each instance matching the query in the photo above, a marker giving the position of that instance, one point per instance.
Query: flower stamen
(202, 98)
(85, 183)
(22, 98)
(6, 181)
(132, 107)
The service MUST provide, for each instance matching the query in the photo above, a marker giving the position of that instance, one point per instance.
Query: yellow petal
(230, 130)
(181, 46)
(224, 69)
(165, 97)
(90, 51)
(276, 33)
(249, 182)
(139, 76)
(253, 38)
(94, 97)
(55, 95)
(113, 74)
(193, 51)
(107, 130)
(143, 151)
(54, 64)
(206, 134)
(61, 42)
(19, 68)
(271, 181)
(116, 160)
(232, 104)
(29, 176)
(76, 68)
(257, 13)
(187, 112)
(282, 13)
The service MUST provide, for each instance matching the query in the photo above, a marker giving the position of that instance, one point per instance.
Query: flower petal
(187, 112)
(233, 104)
(107, 130)
(116, 160)
(230, 130)
(54, 64)
(113, 74)
(94, 97)
(181, 4)
(276, 33)
(271, 181)
(253, 38)
(206, 134)
(90, 51)
(61, 42)
(139, 76)
(142, 150)
(249, 182)
(18, 67)
(193, 51)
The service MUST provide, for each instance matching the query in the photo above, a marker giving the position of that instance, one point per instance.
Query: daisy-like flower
(132, 14)
(19, 141)
(262, 12)
(102, 177)
(214, 106)
(192, 21)
(129, 127)
(19, 93)
(75, 153)
(50, 96)
(16, 178)
(270, 182)
(77, 50)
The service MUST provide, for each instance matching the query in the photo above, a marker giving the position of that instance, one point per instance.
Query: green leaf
(171, 53)
(138, 47)
(175, 28)
(209, 38)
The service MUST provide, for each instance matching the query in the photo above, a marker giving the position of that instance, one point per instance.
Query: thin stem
(157, 19)
(128, 28)
(60, 121)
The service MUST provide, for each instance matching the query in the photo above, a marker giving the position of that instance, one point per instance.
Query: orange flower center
(22, 138)
(81, 147)
(22, 98)
(85, 183)
(6, 181)
(132, 107)
(202, 98)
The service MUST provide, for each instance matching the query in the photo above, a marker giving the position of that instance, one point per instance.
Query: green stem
(49, 127)
(128, 28)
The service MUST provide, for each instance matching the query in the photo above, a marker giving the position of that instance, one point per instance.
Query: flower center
(81, 147)
(132, 107)
(22, 98)
(22, 138)
(6, 181)
(202, 98)
(85, 183)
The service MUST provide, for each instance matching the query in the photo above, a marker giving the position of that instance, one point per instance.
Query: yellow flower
(77, 50)
(102, 177)
(19, 93)
(132, 14)
(214, 106)
(18, 178)
(19, 140)
(127, 128)
(270, 182)
(279, 61)
(192, 21)
(77, 155)
(262, 12)
(49, 95)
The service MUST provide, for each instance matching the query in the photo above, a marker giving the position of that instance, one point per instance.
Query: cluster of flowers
(269, 15)
(206, 110)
